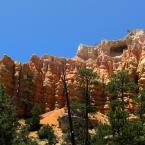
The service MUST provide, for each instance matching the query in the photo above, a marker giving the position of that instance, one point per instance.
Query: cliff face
(38, 81)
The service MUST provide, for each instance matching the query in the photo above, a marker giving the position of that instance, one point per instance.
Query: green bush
(33, 123)
(29, 142)
(46, 132)
(23, 139)
(8, 119)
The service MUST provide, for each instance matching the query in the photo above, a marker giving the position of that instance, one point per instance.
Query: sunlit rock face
(86, 52)
(39, 80)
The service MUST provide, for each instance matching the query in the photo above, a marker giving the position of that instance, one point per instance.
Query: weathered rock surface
(39, 81)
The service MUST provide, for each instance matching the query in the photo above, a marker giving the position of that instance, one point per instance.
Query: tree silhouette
(66, 95)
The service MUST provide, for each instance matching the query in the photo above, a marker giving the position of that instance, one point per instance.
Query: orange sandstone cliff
(38, 81)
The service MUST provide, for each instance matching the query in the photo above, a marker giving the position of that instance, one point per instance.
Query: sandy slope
(51, 117)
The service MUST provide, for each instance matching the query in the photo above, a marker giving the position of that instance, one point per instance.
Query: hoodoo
(39, 79)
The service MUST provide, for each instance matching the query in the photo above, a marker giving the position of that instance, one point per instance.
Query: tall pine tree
(8, 119)
(87, 79)
(120, 130)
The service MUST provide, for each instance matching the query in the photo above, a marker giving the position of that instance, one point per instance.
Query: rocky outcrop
(7, 70)
(39, 81)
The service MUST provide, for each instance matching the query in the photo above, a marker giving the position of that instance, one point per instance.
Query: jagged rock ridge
(38, 81)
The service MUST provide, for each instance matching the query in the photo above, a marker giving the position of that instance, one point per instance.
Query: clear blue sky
(57, 27)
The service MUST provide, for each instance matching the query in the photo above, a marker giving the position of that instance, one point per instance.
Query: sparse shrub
(33, 123)
(22, 137)
(29, 142)
(46, 132)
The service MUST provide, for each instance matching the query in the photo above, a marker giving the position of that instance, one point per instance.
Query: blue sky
(57, 27)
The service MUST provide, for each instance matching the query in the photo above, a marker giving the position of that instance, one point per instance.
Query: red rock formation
(39, 81)
(7, 67)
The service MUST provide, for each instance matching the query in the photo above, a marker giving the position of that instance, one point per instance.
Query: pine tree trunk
(69, 111)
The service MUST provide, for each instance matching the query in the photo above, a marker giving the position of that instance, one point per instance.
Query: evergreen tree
(102, 136)
(28, 93)
(77, 109)
(140, 100)
(33, 122)
(120, 131)
(78, 121)
(8, 119)
(87, 78)
(118, 119)
(120, 85)
(140, 112)
(117, 88)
